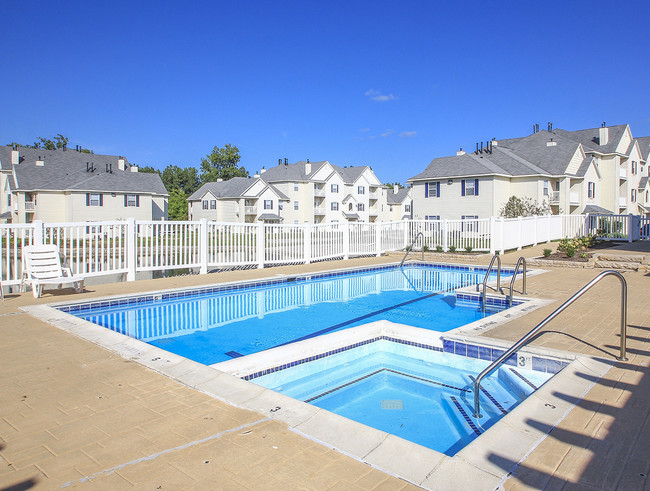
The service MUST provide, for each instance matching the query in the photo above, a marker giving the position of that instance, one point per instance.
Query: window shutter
(137, 200)
(438, 189)
(126, 200)
(426, 189)
(462, 187)
(101, 200)
(475, 187)
(87, 199)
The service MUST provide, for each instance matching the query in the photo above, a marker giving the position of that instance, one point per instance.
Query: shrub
(547, 252)
(425, 248)
(439, 248)
(469, 248)
(570, 251)
(452, 248)
(583, 255)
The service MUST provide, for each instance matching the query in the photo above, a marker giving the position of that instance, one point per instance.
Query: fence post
(548, 235)
(260, 245)
(493, 223)
(378, 238)
(445, 235)
(634, 228)
(203, 245)
(502, 249)
(131, 251)
(407, 226)
(346, 240)
(307, 241)
(535, 230)
(520, 223)
(38, 232)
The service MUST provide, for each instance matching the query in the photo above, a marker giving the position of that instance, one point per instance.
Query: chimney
(460, 152)
(121, 163)
(551, 143)
(256, 175)
(307, 168)
(219, 179)
(263, 170)
(134, 168)
(396, 187)
(603, 135)
(41, 161)
(494, 142)
(15, 156)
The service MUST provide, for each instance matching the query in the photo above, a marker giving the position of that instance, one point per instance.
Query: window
(591, 190)
(334, 188)
(335, 206)
(469, 187)
(213, 204)
(634, 167)
(361, 207)
(9, 200)
(432, 217)
(268, 204)
(545, 192)
(633, 197)
(204, 204)
(432, 226)
(295, 186)
(470, 226)
(432, 190)
(131, 200)
(361, 190)
(407, 208)
(295, 205)
(93, 199)
(280, 206)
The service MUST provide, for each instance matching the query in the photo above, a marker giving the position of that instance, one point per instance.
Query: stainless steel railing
(497, 258)
(521, 260)
(528, 337)
(411, 247)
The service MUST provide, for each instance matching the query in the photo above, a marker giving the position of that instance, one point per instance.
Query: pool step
(516, 383)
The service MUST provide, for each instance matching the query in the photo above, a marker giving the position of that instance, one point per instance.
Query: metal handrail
(411, 247)
(514, 277)
(528, 337)
(497, 258)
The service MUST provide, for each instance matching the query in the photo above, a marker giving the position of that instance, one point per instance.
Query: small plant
(452, 248)
(570, 251)
(548, 252)
(426, 248)
(439, 248)
(583, 255)
(469, 248)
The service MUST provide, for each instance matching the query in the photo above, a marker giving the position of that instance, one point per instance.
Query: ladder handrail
(411, 247)
(514, 277)
(531, 334)
(497, 258)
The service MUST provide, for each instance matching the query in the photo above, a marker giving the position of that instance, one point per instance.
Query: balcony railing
(623, 173)
(30, 206)
(319, 211)
(554, 197)
(250, 210)
(574, 198)
(622, 202)
(319, 192)
(373, 195)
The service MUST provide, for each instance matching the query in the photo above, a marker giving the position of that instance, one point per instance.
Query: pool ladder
(533, 333)
(411, 247)
(484, 287)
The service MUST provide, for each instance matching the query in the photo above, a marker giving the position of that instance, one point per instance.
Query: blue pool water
(213, 326)
(417, 394)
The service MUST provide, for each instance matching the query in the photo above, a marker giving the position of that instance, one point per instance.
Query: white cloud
(387, 133)
(408, 134)
(364, 130)
(377, 96)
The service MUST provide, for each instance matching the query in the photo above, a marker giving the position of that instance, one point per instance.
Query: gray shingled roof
(535, 150)
(397, 198)
(291, 172)
(644, 145)
(232, 188)
(269, 216)
(590, 139)
(596, 210)
(643, 182)
(5, 158)
(66, 170)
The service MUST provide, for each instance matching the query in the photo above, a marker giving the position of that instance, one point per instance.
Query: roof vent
(219, 179)
(279, 161)
(286, 161)
(460, 152)
(263, 170)
(551, 143)
(257, 174)
(134, 168)
(41, 161)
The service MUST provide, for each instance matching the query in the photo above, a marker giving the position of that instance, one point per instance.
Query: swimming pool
(421, 394)
(210, 325)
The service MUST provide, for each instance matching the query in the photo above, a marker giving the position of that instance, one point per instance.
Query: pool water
(218, 326)
(421, 395)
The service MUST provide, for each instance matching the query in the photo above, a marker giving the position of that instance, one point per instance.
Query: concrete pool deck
(72, 412)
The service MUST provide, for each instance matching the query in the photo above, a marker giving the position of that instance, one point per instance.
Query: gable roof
(590, 138)
(397, 198)
(644, 146)
(233, 188)
(292, 172)
(66, 171)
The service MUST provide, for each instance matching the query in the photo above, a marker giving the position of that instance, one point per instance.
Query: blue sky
(387, 84)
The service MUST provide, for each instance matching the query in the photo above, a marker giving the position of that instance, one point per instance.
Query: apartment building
(400, 204)
(303, 192)
(67, 185)
(597, 170)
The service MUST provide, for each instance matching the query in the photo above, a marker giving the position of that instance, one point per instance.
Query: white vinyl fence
(130, 246)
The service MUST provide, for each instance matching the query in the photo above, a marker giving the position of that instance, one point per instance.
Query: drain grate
(392, 404)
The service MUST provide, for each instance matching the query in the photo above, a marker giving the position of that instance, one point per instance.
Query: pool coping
(511, 438)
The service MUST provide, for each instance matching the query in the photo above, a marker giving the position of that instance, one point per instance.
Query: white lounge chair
(42, 266)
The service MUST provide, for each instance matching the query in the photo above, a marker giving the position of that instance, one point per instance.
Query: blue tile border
(465, 416)
(534, 387)
(490, 397)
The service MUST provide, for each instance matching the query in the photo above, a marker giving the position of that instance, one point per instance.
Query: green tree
(524, 207)
(222, 163)
(61, 141)
(391, 185)
(175, 177)
(147, 169)
(177, 205)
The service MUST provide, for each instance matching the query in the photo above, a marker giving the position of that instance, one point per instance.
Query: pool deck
(73, 413)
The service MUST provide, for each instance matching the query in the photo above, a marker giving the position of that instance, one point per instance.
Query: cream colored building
(400, 204)
(304, 192)
(67, 185)
(588, 171)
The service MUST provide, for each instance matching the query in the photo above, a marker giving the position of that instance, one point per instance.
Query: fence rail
(130, 246)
